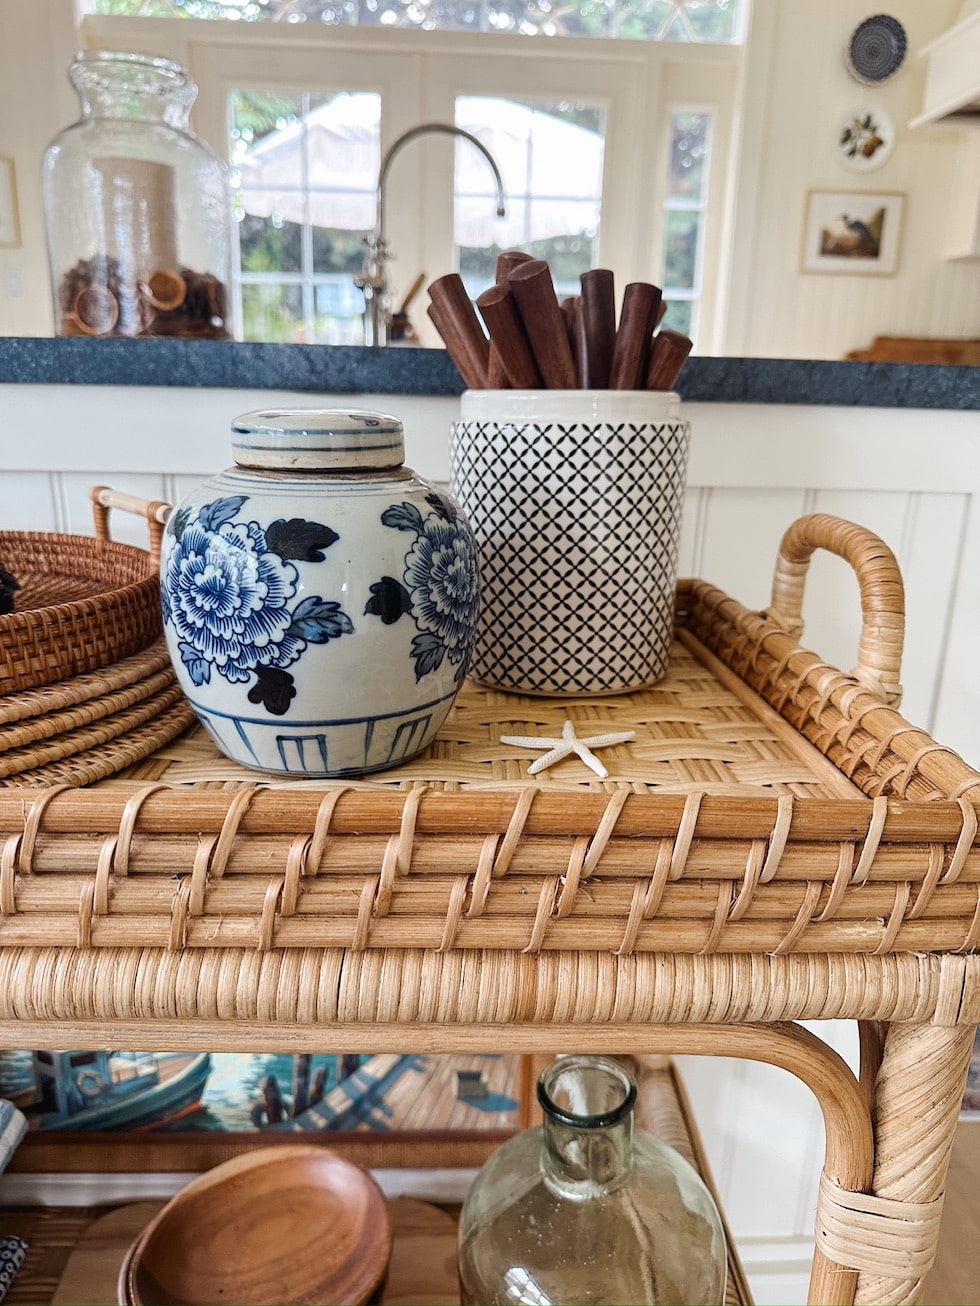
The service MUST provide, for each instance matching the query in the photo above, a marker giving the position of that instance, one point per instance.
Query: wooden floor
(955, 1278)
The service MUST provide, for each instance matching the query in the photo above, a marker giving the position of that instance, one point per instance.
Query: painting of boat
(357, 1099)
(114, 1090)
(390, 1092)
(186, 1093)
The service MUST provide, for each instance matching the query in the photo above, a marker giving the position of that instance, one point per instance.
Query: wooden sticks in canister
(535, 342)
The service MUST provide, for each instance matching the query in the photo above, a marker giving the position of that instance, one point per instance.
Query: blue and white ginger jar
(319, 598)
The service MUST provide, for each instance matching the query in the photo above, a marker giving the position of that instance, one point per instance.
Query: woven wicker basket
(84, 603)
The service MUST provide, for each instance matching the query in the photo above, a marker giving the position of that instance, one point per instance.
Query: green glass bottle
(586, 1209)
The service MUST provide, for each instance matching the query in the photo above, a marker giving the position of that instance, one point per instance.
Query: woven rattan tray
(83, 602)
(776, 844)
(768, 803)
(92, 690)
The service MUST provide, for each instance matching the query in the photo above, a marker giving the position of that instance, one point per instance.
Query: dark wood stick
(507, 261)
(537, 303)
(667, 358)
(498, 309)
(598, 328)
(458, 313)
(497, 378)
(637, 318)
(474, 375)
(662, 311)
(571, 311)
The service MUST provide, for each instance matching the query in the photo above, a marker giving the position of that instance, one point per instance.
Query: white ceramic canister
(575, 498)
(319, 598)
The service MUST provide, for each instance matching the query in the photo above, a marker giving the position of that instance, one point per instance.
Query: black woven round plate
(877, 49)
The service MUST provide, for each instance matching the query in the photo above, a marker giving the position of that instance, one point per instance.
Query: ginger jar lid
(318, 439)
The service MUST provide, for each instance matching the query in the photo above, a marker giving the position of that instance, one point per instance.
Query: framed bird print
(852, 232)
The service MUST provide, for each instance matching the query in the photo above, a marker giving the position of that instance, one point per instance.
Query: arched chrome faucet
(373, 277)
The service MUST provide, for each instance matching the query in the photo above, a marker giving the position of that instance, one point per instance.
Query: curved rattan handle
(155, 511)
(882, 594)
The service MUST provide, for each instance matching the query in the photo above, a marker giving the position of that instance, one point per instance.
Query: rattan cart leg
(871, 1036)
(881, 1192)
(849, 1151)
(918, 1094)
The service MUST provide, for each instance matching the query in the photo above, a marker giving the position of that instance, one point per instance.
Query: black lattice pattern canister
(575, 499)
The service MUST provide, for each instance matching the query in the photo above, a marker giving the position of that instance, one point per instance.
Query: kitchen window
(685, 205)
(663, 20)
(303, 184)
(262, 83)
(553, 208)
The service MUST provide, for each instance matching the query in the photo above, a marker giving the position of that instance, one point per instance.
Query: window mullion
(306, 234)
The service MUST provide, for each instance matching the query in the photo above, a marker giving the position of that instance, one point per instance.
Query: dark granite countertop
(359, 370)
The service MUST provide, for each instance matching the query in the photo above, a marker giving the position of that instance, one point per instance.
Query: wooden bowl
(124, 1289)
(273, 1227)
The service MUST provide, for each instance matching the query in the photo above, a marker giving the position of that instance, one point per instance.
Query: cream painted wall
(797, 92)
(36, 100)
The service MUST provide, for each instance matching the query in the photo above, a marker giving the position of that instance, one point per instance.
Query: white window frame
(690, 87)
(419, 75)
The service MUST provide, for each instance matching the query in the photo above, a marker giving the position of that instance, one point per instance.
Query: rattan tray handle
(155, 511)
(882, 594)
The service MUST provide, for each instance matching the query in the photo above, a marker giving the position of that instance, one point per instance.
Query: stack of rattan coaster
(86, 685)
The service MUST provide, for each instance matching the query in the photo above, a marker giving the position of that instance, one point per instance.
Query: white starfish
(569, 743)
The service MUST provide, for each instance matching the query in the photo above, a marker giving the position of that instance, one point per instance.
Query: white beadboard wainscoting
(913, 476)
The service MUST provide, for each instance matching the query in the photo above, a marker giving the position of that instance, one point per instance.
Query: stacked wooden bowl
(86, 685)
(287, 1224)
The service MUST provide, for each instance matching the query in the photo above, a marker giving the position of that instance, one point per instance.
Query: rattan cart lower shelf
(776, 843)
(74, 1256)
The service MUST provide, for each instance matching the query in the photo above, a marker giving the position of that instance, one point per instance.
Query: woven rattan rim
(86, 735)
(102, 760)
(90, 686)
(43, 644)
(70, 725)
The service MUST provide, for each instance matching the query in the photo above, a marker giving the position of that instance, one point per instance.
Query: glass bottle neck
(587, 1162)
(588, 1124)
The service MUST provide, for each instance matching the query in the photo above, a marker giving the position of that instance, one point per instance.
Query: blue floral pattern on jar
(226, 588)
(230, 588)
(439, 587)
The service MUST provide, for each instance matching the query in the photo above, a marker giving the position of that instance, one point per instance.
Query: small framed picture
(9, 218)
(852, 232)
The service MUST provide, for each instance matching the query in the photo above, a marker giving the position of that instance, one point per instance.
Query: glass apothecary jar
(137, 209)
(587, 1209)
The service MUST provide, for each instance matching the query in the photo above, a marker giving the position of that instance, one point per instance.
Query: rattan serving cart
(776, 844)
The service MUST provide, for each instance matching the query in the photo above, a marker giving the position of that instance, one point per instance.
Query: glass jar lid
(303, 439)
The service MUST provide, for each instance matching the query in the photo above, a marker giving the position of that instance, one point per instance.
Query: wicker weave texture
(91, 752)
(131, 673)
(239, 999)
(719, 830)
(776, 844)
(84, 603)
